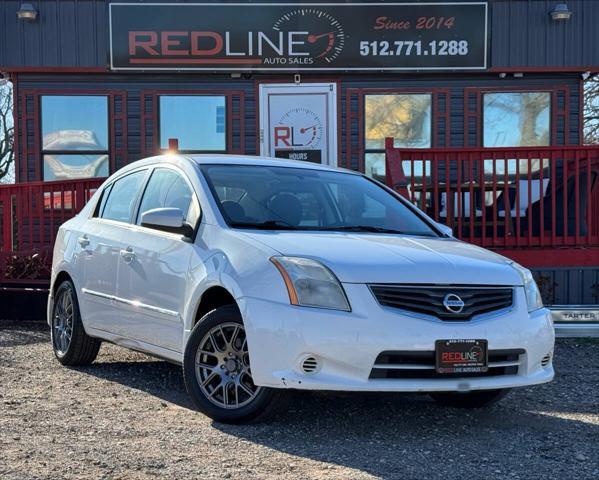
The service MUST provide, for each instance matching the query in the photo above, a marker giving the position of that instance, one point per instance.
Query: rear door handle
(128, 254)
(83, 241)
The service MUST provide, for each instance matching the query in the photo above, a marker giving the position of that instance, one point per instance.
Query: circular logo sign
(453, 303)
(326, 36)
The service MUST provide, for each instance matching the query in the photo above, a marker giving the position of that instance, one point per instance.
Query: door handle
(128, 254)
(83, 241)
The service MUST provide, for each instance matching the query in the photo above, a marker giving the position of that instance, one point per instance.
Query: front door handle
(128, 254)
(83, 241)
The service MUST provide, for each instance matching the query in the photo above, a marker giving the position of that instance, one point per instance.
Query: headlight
(311, 284)
(534, 301)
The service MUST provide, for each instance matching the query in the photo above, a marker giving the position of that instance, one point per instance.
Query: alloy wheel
(62, 322)
(222, 367)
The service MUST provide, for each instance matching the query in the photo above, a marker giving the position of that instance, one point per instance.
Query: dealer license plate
(461, 356)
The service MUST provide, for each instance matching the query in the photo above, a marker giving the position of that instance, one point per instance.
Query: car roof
(226, 159)
(222, 159)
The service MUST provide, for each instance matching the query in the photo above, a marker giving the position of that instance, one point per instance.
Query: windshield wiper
(267, 225)
(370, 228)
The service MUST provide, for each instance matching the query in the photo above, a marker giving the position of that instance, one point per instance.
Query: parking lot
(128, 416)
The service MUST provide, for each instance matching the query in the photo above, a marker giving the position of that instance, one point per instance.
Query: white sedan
(262, 275)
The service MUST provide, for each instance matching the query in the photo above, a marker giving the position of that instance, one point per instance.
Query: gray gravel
(128, 416)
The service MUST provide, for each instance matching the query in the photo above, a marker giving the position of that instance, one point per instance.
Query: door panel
(102, 241)
(153, 281)
(100, 245)
(299, 122)
(153, 274)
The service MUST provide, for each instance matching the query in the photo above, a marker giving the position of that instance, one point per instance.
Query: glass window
(75, 136)
(121, 199)
(197, 121)
(516, 119)
(168, 189)
(281, 198)
(404, 117)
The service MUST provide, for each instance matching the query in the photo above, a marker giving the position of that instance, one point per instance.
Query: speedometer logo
(326, 37)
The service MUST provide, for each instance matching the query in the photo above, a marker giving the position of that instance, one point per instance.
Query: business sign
(298, 36)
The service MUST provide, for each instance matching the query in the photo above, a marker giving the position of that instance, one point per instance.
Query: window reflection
(74, 122)
(65, 166)
(74, 136)
(516, 119)
(405, 117)
(197, 121)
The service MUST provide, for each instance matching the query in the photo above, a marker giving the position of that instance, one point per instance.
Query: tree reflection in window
(404, 117)
(516, 119)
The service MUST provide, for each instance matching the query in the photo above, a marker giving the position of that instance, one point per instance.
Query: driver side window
(168, 189)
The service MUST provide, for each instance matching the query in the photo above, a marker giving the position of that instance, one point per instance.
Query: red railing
(30, 214)
(504, 198)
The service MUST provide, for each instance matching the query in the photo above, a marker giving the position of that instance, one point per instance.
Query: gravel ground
(128, 416)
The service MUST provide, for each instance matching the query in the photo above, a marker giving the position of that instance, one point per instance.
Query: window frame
(144, 188)
(399, 91)
(97, 214)
(508, 90)
(109, 130)
(206, 93)
(473, 109)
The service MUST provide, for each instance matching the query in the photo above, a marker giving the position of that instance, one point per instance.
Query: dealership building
(482, 101)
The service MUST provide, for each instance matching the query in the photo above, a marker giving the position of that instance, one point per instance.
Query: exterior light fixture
(27, 12)
(173, 145)
(560, 13)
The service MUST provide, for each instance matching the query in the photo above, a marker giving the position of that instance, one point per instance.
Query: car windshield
(284, 198)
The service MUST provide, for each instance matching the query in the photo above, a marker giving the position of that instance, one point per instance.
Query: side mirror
(445, 229)
(167, 220)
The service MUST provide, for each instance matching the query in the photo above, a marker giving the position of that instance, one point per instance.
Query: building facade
(99, 84)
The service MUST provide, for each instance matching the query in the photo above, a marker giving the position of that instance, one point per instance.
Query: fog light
(310, 364)
(546, 360)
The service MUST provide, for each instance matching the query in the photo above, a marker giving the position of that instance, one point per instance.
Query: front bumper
(346, 344)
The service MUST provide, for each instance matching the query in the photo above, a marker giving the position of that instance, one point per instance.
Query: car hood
(374, 258)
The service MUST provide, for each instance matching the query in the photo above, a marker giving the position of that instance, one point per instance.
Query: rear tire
(71, 345)
(476, 399)
(217, 372)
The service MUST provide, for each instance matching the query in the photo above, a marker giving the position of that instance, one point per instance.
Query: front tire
(71, 345)
(217, 371)
(476, 399)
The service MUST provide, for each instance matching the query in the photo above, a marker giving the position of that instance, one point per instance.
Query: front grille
(421, 365)
(429, 299)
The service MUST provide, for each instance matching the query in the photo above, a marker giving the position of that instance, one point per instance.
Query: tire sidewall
(67, 285)
(243, 414)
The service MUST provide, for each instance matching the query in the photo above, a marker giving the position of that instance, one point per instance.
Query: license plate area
(461, 356)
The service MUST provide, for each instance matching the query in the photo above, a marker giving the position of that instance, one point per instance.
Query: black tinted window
(121, 199)
(304, 199)
(168, 189)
